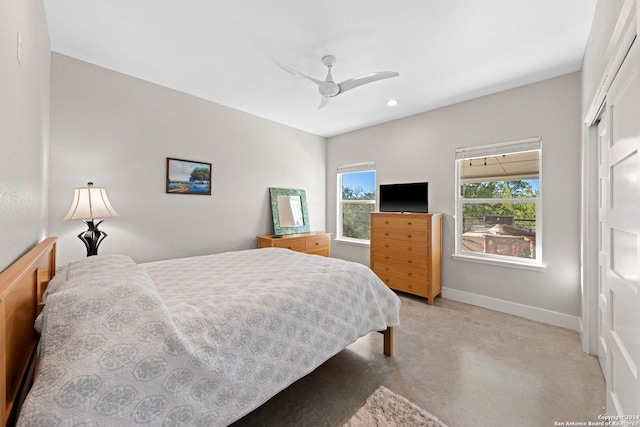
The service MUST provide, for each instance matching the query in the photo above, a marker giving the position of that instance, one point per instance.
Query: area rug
(384, 408)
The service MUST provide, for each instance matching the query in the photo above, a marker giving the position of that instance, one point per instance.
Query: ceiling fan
(328, 88)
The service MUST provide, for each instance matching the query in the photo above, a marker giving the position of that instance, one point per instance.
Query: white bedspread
(197, 341)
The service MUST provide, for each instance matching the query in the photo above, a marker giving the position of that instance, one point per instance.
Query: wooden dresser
(406, 252)
(317, 243)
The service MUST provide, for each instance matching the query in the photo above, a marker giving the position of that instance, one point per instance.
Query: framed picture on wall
(188, 177)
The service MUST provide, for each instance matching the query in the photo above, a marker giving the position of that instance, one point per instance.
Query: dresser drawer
(313, 244)
(406, 235)
(409, 286)
(385, 246)
(293, 244)
(387, 269)
(401, 259)
(324, 252)
(401, 221)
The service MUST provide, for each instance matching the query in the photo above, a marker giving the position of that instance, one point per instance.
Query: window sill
(353, 242)
(500, 262)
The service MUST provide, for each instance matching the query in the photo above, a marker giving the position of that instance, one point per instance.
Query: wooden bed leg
(388, 341)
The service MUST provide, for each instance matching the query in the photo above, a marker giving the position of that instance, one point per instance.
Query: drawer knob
(409, 236)
(386, 222)
(386, 234)
(409, 274)
(317, 244)
(409, 261)
(409, 223)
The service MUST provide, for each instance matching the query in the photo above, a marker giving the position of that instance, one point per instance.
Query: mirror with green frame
(289, 209)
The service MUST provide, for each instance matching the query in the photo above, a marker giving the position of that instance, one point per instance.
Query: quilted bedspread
(197, 341)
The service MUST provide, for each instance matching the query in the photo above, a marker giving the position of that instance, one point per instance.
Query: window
(356, 200)
(498, 202)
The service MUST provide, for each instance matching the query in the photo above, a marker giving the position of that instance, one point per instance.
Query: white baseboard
(528, 312)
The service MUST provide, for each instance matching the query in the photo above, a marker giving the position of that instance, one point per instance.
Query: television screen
(412, 197)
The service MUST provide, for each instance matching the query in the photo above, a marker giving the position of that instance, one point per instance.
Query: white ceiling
(446, 51)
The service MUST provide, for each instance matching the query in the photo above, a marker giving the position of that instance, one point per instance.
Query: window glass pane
(355, 220)
(529, 188)
(507, 229)
(359, 185)
(357, 200)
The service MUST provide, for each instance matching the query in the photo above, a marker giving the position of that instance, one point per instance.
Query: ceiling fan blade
(364, 79)
(298, 73)
(324, 101)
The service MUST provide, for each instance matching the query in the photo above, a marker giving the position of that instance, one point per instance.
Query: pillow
(54, 284)
(99, 264)
(99, 270)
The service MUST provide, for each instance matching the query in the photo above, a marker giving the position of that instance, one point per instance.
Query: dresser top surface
(407, 214)
(295, 236)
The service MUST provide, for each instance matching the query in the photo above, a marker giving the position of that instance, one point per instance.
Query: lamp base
(92, 237)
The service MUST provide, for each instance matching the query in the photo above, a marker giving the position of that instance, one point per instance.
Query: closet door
(603, 240)
(620, 230)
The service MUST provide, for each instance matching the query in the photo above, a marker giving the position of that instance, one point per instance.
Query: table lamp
(88, 204)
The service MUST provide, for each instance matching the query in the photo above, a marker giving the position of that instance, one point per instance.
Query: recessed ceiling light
(392, 102)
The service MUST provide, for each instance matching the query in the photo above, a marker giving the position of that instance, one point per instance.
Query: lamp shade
(90, 203)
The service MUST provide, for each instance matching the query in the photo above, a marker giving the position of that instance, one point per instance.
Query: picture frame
(188, 177)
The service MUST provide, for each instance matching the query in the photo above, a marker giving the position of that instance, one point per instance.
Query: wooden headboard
(21, 288)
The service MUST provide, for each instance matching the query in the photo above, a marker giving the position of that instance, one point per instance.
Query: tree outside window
(524, 214)
(356, 200)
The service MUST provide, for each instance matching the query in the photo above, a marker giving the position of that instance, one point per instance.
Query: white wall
(422, 148)
(24, 127)
(117, 131)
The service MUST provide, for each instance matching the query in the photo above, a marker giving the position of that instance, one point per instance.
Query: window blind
(357, 167)
(507, 147)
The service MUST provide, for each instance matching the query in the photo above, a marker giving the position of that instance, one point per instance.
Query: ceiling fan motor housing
(329, 60)
(329, 88)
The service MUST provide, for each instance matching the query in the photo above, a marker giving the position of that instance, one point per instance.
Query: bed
(192, 341)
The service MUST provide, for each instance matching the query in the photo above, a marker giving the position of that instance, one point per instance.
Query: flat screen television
(411, 197)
